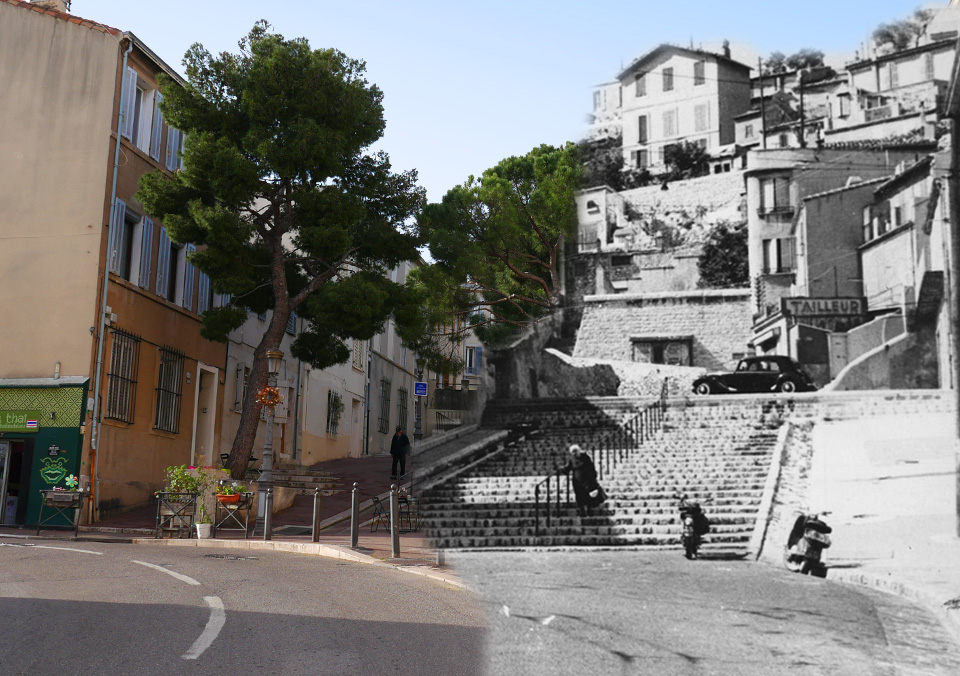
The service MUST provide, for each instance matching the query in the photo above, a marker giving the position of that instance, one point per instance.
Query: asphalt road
(108, 609)
(629, 612)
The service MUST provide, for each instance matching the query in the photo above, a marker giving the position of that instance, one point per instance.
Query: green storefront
(41, 440)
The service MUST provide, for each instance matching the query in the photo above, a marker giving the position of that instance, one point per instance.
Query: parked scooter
(804, 550)
(694, 524)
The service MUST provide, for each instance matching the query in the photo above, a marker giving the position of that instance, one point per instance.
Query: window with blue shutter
(157, 128)
(292, 323)
(128, 103)
(146, 252)
(188, 273)
(203, 293)
(163, 264)
(118, 224)
(173, 146)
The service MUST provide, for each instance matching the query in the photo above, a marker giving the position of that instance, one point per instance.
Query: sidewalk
(292, 527)
(889, 490)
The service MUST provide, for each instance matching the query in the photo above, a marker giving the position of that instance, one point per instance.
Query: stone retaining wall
(717, 320)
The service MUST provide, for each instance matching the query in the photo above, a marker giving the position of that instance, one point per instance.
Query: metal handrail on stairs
(629, 437)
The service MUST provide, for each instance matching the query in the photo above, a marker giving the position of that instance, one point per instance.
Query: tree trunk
(243, 442)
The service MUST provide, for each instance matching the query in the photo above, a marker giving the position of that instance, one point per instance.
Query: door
(17, 464)
(205, 415)
(356, 438)
(4, 468)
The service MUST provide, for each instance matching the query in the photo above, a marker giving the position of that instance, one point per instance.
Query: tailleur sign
(19, 421)
(833, 314)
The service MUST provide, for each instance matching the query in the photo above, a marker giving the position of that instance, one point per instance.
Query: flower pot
(204, 530)
(229, 499)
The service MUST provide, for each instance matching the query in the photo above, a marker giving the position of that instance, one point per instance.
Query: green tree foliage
(290, 211)
(902, 34)
(603, 162)
(723, 264)
(804, 58)
(498, 240)
(778, 62)
(686, 160)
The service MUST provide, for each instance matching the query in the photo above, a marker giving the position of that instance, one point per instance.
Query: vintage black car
(769, 373)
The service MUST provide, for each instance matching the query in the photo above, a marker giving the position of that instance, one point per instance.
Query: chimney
(726, 48)
(55, 5)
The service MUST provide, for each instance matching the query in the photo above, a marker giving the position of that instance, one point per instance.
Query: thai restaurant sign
(824, 307)
(19, 421)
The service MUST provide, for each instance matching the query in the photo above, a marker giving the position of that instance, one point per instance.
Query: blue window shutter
(146, 252)
(203, 293)
(163, 263)
(478, 364)
(173, 140)
(115, 235)
(127, 101)
(188, 272)
(157, 127)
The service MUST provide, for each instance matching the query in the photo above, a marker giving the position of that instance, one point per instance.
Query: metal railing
(448, 420)
(618, 447)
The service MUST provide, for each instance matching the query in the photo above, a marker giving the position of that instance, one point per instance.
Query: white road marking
(64, 549)
(182, 578)
(218, 618)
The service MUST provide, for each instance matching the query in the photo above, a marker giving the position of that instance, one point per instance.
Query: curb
(949, 617)
(308, 548)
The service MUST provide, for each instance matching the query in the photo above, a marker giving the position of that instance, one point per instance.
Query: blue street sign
(419, 389)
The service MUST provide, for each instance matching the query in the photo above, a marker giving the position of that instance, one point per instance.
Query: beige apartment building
(96, 293)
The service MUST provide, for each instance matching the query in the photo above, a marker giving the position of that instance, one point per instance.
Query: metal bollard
(315, 536)
(394, 522)
(355, 517)
(268, 516)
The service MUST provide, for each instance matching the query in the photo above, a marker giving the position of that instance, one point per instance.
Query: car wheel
(703, 388)
(788, 386)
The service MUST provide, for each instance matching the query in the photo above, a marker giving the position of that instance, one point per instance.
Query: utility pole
(763, 108)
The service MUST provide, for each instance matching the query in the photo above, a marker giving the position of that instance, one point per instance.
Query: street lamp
(274, 358)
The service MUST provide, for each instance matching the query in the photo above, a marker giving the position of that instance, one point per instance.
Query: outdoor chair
(379, 515)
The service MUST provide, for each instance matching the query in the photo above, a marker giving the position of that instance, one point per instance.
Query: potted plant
(229, 491)
(182, 498)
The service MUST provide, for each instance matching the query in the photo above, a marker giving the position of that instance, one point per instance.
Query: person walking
(399, 448)
(586, 488)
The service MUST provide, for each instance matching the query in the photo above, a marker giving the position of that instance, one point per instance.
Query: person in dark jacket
(399, 448)
(586, 488)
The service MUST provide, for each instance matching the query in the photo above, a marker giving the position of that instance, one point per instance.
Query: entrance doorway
(204, 416)
(15, 462)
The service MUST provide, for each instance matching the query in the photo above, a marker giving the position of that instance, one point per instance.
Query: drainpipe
(98, 373)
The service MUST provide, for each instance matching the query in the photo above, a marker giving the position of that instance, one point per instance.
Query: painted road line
(182, 578)
(63, 549)
(218, 618)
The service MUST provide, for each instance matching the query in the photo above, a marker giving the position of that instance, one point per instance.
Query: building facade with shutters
(673, 94)
(99, 290)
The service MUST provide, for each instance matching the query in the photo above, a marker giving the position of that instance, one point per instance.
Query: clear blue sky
(467, 84)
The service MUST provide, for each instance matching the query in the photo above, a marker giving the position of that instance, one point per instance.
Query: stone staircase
(719, 456)
(305, 480)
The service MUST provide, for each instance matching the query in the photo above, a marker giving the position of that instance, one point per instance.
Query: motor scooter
(694, 525)
(804, 551)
